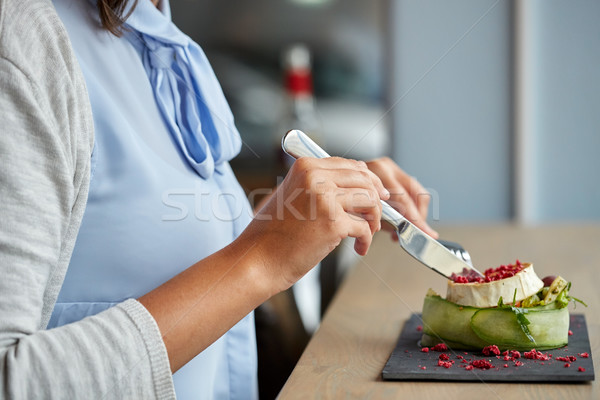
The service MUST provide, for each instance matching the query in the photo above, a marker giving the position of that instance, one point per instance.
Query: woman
(162, 197)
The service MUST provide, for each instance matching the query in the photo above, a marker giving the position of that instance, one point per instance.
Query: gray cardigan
(46, 137)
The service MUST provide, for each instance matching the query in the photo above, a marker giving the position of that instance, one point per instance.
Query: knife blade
(413, 240)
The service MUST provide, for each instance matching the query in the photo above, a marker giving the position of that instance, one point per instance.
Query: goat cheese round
(487, 294)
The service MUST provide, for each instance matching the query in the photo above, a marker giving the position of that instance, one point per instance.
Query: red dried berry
(419, 328)
(583, 355)
(570, 332)
(505, 365)
(491, 274)
(445, 364)
(482, 364)
(444, 357)
(530, 354)
(425, 349)
(567, 365)
(469, 367)
(567, 358)
(440, 347)
(518, 363)
(491, 350)
(581, 369)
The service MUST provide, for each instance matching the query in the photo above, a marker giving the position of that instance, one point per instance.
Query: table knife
(413, 240)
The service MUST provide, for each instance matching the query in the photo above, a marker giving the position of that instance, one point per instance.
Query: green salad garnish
(555, 296)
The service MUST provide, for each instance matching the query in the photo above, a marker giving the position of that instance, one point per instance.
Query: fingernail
(386, 193)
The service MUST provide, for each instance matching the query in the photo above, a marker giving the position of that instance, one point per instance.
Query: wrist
(253, 258)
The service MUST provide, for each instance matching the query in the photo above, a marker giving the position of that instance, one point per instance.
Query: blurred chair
(280, 333)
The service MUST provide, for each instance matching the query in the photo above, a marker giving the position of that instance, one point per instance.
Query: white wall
(565, 105)
(495, 104)
(453, 95)
(450, 99)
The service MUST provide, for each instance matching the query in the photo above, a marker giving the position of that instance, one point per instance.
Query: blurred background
(494, 101)
(494, 105)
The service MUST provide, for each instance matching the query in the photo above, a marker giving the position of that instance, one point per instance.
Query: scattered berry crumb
(469, 367)
(530, 354)
(567, 365)
(491, 274)
(536, 355)
(445, 364)
(491, 350)
(444, 357)
(570, 332)
(581, 369)
(440, 347)
(482, 364)
(518, 363)
(505, 365)
(567, 358)
(583, 355)
(515, 354)
(425, 349)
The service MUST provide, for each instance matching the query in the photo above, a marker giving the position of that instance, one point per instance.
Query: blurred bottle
(301, 112)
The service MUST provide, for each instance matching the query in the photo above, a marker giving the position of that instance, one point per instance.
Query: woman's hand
(407, 195)
(319, 203)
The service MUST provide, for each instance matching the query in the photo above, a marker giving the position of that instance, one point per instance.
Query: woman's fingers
(361, 231)
(363, 204)
(319, 203)
(408, 196)
(352, 185)
(345, 173)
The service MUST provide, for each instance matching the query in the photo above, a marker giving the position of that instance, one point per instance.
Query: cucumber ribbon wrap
(462, 327)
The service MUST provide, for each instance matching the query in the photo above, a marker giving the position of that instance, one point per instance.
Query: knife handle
(297, 144)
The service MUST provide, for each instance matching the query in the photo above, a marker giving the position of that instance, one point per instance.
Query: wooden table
(345, 357)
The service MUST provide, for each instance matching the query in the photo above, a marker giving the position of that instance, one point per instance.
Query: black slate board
(407, 360)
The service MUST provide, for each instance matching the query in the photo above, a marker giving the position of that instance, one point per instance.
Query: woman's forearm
(318, 204)
(198, 306)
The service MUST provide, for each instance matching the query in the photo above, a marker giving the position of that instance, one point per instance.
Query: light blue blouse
(150, 214)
